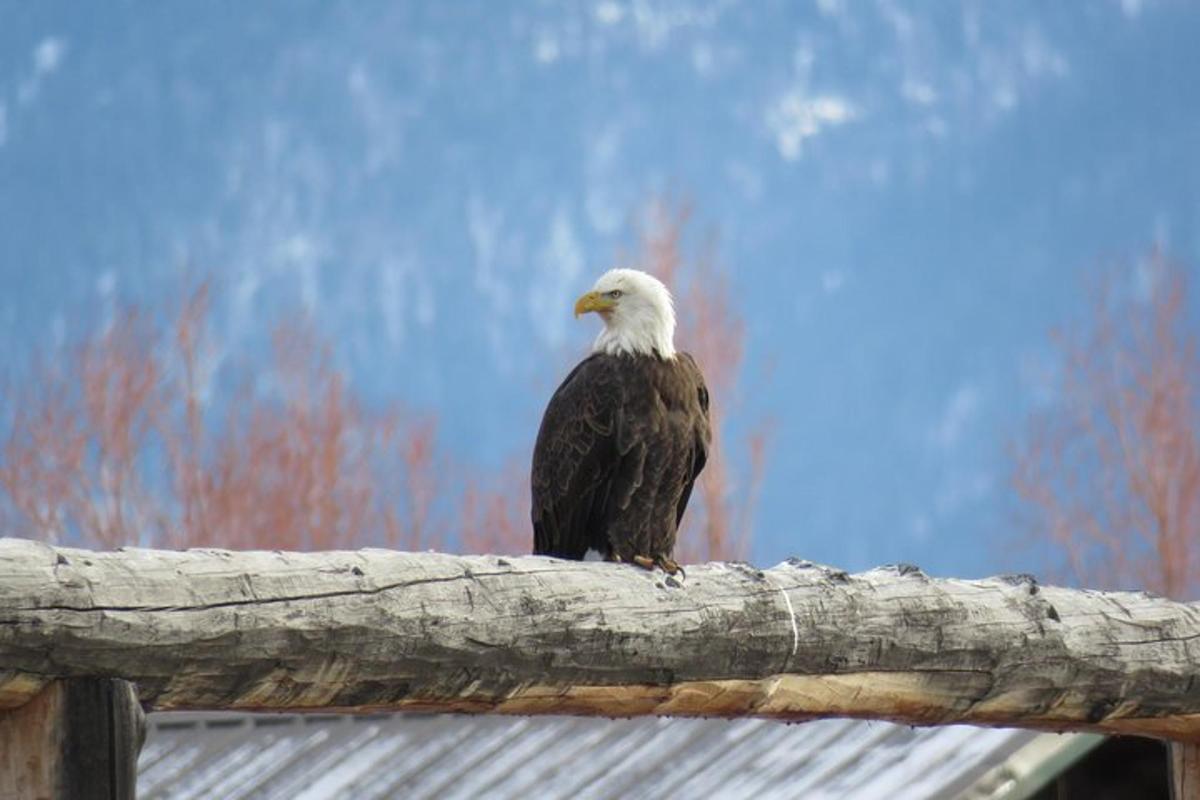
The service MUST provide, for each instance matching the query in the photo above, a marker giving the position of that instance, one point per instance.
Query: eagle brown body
(619, 448)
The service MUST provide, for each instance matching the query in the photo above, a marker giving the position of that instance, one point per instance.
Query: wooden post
(1185, 771)
(77, 738)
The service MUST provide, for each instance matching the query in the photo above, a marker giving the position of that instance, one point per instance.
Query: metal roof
(221, 755)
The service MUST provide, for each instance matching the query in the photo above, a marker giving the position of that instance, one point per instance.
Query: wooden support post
(77, 738)
(1185, 771)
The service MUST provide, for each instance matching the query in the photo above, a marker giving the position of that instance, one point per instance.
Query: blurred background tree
(131, 439)
(1108, 473)
(121, 442)
(719, 519)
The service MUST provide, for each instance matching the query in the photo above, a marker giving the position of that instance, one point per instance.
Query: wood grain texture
(76, 738)
(373, 629)
(31, 747)
(1185, 771)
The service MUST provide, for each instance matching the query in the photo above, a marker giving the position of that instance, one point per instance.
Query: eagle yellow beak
(593, 301)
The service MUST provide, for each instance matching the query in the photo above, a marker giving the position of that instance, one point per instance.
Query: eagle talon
(670, 567)
(645, 562)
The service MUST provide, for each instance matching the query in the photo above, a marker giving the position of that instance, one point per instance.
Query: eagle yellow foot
(645, 562)
(667, 565)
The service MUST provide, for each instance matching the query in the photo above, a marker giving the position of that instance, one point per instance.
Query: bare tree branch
(1111, 470)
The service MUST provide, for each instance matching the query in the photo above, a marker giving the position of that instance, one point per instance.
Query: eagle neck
(648, 336)
(614, 343)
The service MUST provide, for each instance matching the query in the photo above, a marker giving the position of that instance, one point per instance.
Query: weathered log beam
(373, 629)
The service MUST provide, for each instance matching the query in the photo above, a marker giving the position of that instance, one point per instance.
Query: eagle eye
(614, 294)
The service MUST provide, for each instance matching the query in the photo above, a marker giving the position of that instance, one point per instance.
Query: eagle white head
(638, 314)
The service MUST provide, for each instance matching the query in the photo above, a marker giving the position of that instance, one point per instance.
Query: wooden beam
(76, 738)
(373, 629)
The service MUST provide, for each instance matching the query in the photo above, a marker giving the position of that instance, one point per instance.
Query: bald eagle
(624, 436)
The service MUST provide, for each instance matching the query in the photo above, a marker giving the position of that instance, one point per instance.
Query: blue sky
(908, 195)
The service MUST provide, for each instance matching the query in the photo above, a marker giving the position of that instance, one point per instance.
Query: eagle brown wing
(701, 432)
(586, 463)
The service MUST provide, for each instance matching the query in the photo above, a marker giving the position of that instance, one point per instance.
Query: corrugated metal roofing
(400, 755)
